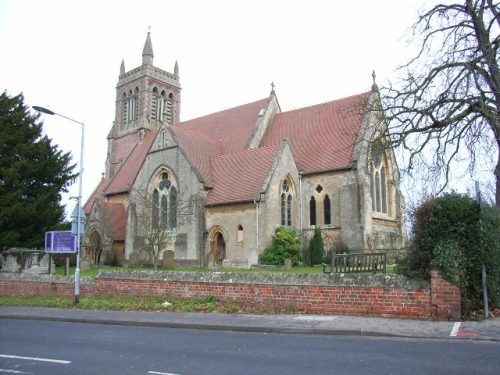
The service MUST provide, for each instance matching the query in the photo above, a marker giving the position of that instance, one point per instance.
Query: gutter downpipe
(254, 259)
(301, 174)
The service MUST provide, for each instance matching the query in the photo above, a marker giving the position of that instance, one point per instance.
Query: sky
(66, 56)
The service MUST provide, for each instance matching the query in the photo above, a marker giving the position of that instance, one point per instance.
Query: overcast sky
(66, 55)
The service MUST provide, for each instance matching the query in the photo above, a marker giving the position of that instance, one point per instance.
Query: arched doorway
(94, 248)
(217, 251)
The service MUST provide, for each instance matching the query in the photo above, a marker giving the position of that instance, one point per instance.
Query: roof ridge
(221, 111)
(327, 102)
(276, 145)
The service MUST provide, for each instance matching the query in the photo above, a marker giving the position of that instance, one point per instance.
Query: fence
(356, 262)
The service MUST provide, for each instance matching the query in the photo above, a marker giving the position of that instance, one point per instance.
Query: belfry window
(164, 203)
(378, 183)
(286, 203)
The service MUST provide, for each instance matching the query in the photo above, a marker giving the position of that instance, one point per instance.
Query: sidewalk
(303, 324)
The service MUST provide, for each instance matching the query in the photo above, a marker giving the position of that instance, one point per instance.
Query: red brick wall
(442, 301)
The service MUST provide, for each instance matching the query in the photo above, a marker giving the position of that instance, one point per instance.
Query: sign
(60, 242)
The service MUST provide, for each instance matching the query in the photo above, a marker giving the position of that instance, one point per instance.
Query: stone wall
(363, 295)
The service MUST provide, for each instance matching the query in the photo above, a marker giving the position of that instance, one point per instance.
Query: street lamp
(79, 200)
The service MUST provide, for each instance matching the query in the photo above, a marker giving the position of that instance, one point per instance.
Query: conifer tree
(33, 174)
(316, 247)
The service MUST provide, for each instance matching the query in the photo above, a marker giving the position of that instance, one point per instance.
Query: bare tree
(446, 107)
(158, 220)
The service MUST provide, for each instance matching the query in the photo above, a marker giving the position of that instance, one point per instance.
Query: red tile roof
(204, 138)
(116, 219)
(199, 148)
(97, 192)
(240, 177)
(322, 137)
(232, 127)
(124, 179)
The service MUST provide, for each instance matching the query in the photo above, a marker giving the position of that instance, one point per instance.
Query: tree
(456, 235)
(448, 100)
(285, 245)
(316, 248)
(33, 174)
(159, 219)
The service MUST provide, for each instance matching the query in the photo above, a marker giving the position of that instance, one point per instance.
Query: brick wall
(379, 296)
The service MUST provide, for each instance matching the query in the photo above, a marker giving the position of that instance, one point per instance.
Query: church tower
(147, 98)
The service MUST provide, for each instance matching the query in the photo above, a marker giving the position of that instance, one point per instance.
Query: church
(219, 185)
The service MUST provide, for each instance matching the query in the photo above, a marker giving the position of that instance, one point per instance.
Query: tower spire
(122, 67)
(147, 52)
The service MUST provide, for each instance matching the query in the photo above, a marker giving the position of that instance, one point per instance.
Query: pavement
(301, 324)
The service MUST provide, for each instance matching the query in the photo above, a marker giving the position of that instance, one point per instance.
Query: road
(41, 347)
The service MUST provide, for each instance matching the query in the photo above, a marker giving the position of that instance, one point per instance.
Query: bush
(453, 234)
(286, 245)
(316, 248)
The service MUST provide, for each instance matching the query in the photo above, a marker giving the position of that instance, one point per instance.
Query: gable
(322, 137)
(241, 177)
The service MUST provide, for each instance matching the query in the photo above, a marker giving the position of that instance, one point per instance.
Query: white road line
(14, 371)
(455, 329)
(161, 373)
(60, 361)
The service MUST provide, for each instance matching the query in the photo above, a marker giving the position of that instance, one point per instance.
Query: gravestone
(10, 264)
(168, 260)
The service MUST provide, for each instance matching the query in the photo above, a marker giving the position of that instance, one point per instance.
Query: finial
(272, 86)
(176, 69)
(147, 52)
(374, 84)
(122, 67)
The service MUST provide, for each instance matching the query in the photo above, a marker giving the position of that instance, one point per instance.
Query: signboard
(60, 242)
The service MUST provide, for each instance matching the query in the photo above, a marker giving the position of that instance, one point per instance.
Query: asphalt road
(40, 347)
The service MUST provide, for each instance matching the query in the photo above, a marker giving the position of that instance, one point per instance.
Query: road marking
(14, 371)
(38, 359)
(455, 329)
(161, 373)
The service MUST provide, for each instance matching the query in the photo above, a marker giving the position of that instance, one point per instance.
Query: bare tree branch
(446, 107)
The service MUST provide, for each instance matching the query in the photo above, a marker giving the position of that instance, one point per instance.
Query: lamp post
(78, 233)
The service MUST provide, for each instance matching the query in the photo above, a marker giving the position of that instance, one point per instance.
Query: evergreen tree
(316, 247)
(33, 174)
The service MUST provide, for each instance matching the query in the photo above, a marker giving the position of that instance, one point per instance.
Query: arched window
(289, 210)
(131, 106)
(240, 233)
(283, 209)
(378, 182)
(286, 202)
(156, 209)
(169, 109)
(327, 210)
(164, 203)
(124, 110)
(312, 211)
(173, 207)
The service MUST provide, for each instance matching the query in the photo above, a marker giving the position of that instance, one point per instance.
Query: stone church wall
(190, 226)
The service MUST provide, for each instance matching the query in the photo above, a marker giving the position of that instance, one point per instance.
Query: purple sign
(60, 242)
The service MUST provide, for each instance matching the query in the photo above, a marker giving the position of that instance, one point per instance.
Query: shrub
(454, 234)
(285, 245)
(316, 247)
